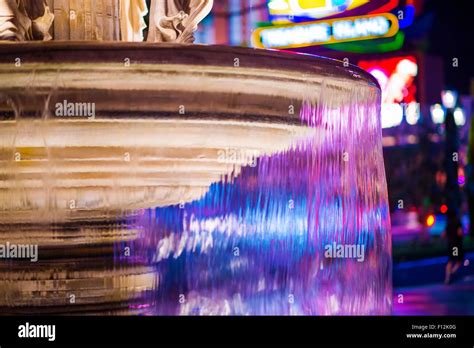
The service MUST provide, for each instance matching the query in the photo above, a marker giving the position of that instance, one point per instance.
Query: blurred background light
(449, 99)
(459, 117)
(392, 115)
(412, 113)
(437, 113)
(443, 209)
(430, 220)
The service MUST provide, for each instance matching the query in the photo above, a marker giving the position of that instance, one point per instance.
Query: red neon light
(387, 7)
(388, 66)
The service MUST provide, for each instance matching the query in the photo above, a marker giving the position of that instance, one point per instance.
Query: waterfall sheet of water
(214, 212)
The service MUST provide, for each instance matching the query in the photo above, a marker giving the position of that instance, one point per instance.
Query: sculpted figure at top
(176, 20)
(107, 20)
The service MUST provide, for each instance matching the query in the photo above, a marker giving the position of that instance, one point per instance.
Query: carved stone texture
(90, 20)
(102, 20)
(132, 21)
(176, 20)
(42, 18)
(86, 20)
(25, 20)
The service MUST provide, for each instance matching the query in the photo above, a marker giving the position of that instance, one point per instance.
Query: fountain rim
(198, 55)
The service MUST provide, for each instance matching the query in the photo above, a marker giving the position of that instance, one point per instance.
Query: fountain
(164, 178)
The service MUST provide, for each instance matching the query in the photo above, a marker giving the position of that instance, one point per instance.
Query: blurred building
(232, 22)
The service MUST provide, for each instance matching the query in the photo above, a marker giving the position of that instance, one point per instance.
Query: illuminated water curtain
(178, 182)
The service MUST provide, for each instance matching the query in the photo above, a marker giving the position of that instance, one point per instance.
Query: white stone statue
(107, 20)
(132, 23)
(176, 20)
(25, 20)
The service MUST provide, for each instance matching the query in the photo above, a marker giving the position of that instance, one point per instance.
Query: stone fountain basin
(168, 121)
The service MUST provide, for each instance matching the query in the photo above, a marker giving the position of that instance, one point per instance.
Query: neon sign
(283, 11)
(310, 8)
(327, 31)
(371, 46)
(396, 77)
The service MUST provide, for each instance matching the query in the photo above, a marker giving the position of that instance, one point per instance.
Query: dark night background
(451, 36)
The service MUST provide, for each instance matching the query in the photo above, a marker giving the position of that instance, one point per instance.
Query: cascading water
(199, 187)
